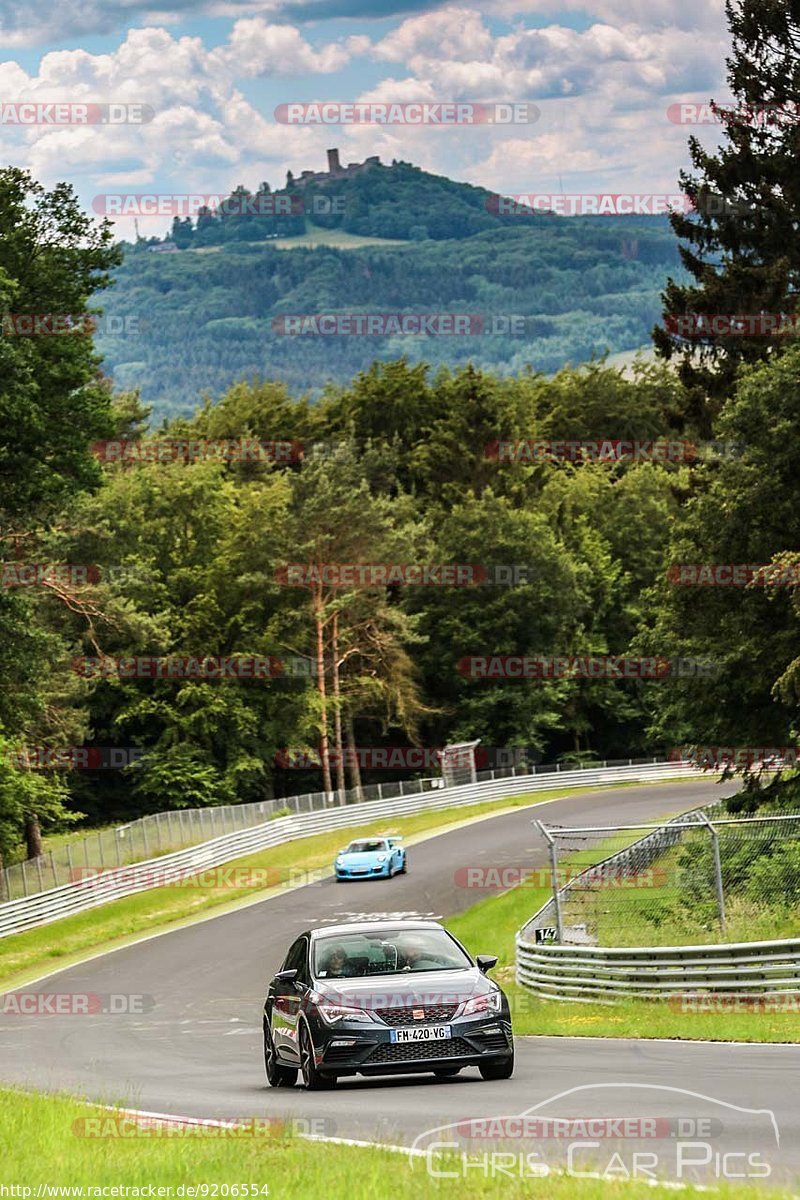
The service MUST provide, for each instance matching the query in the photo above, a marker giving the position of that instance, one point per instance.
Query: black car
(384, 998)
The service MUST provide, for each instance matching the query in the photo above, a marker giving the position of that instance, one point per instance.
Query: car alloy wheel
(277, 1075)
(312, 1079)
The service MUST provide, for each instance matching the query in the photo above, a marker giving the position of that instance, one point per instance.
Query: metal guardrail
(688, 975)
(595, 974)
(176, 829)
(115, 883)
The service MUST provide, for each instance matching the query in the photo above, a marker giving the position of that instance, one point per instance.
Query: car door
(288, 1001)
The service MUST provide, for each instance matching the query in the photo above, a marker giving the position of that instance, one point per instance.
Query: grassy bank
(490, 927)
(44, 1146)
(47, 947)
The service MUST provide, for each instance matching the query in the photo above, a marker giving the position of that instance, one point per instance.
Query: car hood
(366, 858)
(398, 991)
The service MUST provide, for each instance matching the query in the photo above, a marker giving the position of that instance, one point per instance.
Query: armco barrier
(84, 894)
(592, 974)
(754, 972)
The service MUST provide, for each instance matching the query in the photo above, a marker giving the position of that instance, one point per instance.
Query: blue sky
(602, 73)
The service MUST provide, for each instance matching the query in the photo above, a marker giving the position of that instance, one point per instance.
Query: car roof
(369, 927)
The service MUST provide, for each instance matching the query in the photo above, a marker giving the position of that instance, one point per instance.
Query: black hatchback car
(384, 998)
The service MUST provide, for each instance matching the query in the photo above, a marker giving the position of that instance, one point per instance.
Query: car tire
(497, 1070)
(313, 1081)
(446, 1072)
(404, 867)
(277, 1075)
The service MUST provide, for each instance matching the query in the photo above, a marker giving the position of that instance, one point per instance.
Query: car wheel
(498, 1070)
(446, 1072)
(312, 1079)
(277, 1075)
(404, 867)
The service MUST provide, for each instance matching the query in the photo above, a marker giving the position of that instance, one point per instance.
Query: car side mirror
(486, 962)
(289, 976)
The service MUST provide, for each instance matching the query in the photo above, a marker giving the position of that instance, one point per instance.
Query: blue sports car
(371, 858)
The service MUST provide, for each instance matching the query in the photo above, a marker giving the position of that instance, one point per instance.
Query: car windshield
(386, 952)
(366, 846)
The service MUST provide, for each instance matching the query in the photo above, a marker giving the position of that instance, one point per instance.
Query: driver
(337, 964)
(414, 957)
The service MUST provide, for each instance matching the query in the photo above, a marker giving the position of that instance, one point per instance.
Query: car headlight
(340, 861)
(381, 858)
(331, 1013)
(491, 1002)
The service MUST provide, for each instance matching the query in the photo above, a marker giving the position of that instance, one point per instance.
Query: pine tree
(743, 249)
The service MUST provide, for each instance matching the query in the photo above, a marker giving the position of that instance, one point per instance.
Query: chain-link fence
(702, 878)
(164, 832)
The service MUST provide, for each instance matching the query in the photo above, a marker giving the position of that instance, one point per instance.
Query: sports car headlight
(340, 861)
(381, 858)
(491, 1002)
(331, 1013)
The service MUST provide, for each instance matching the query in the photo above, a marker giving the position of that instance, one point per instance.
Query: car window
(386, 952)
(296, 959)
(367, 846)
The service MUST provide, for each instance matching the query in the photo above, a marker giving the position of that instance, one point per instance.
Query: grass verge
(490, 926)
(26, 955)
(43, 1147)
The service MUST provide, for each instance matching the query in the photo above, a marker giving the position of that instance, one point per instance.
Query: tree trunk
(33, 836)
(352, 758)
(337, 710)
(324, 749)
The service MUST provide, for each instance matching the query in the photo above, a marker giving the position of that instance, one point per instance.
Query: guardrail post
(717, 872)
(551, 842)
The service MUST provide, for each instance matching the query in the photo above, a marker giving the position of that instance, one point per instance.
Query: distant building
(163, 248)
(336, 170)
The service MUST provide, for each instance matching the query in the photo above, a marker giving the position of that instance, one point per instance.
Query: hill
(538, 289)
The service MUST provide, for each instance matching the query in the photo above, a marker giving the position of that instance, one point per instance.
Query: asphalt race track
(197, 1049)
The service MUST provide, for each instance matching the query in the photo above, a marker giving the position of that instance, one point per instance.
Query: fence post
(69, 862)
(717, 872)
(551, 842)
(24, 878)
(144, 837)
(100, 848)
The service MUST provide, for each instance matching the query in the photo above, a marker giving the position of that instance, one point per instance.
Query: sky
(601, 73)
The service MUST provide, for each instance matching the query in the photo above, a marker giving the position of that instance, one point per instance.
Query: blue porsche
(371, 858)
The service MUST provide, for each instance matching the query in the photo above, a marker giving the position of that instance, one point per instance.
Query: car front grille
(388, 1052)
(405, 1016)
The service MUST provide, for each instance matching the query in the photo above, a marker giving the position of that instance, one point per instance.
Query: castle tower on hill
(336, 170)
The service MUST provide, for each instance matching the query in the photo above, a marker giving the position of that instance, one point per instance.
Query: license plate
(422, 1033)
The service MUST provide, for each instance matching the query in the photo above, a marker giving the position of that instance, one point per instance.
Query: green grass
(47, 947)
(42, 1145)
(490, 926)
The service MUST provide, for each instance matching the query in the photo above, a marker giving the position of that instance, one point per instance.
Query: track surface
(197, 1051)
